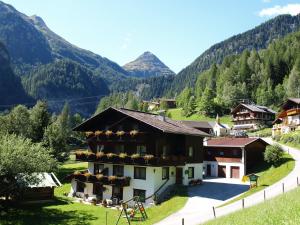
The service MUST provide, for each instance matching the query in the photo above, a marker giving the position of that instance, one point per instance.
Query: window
(165, 173)
(208, 152)
(221, 153)
(119, 149)
(80, 186)
(97, 189)
(140, 173)
(165, 151)
(191, 172)
(141, 150)
(235, 152)
(140, 193)
(191, 151)
(118, 170)
(98, 168)
(100, 148)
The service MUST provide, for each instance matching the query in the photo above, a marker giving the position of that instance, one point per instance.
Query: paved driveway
(202, 198)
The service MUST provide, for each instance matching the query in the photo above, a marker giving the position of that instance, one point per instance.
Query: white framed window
(141, 150)
(191, 151)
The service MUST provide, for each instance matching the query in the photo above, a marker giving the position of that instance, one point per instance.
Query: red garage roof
(233, 142)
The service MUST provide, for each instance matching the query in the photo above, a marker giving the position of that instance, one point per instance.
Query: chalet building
(232, 157)
(170, 103)
(213, 128)
(251, 117)
(134, 153)
(155, 105)
(289, 118)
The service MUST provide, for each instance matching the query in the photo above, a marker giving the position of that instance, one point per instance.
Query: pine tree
(39, 120)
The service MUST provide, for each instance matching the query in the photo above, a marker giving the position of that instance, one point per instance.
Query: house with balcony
(251, 117)
(132, 153)
(288, 119)
(232, 157)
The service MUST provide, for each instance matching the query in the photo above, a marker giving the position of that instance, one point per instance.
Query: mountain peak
(147, 65)
(38, 21)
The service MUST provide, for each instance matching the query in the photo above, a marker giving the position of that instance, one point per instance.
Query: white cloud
(126, 41)
(292, 9)
(266, 1)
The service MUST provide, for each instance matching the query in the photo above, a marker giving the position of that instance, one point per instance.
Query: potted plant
(148, 158)
(108, 133)
(112, 157)
(89, 134)
(133, 133)
(124, 157)
(91, 156)
(100, 155)
(104, 203)
(87, 176)
(136, 158)
(94, 201)
(120, 133)
(98, 133)
(112, 179)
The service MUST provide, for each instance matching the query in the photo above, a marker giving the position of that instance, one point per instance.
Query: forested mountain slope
(266, 77)
(11, 89)
(256, 38)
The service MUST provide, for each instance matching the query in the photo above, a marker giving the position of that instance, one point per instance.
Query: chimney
(162, 115)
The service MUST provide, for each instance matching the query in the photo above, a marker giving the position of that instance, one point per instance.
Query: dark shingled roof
(232, 142)
(197, 124)
(164, 124)
(296, 100)
(255, 108)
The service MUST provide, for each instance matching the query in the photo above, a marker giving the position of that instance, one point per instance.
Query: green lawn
(176, 115)
(63, 211)
(268, 175)
(284, 209)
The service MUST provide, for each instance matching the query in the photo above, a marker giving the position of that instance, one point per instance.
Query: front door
(178, 175)
(117, 192)
(208, 170)
(221, 171)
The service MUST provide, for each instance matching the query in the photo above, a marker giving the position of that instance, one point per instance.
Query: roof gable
(232, 142)
(158, 122)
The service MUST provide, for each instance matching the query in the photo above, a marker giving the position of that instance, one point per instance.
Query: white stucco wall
(198, 172)
(214, 168)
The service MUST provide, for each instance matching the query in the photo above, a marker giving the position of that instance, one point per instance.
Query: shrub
(273, 154)
(122, 155)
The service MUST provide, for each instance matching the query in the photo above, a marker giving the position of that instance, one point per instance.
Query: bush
(273, 154)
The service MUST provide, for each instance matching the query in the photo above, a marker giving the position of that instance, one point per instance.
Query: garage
(235, 172)
(221, 171)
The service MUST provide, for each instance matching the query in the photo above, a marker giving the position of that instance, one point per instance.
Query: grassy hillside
(268, 175)
(177, 115)
(284, 209)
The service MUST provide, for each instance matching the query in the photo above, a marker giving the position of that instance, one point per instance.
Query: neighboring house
(251, 117)
(200, 125)
(155, 105)
(289, 118)
(232, 157)
(135, 153)
(43, 190)
(152, 105)
(214, 128)
(170, 103)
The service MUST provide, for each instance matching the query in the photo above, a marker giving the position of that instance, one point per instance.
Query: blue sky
(177, 31)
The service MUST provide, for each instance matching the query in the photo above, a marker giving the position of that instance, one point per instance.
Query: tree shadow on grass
(39, 214)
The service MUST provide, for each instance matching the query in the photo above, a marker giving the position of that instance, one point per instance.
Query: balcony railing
(123, 158)
(100, 178)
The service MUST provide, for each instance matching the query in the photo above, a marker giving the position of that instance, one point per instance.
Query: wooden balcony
(135, 159)
(100, 178)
